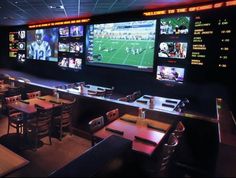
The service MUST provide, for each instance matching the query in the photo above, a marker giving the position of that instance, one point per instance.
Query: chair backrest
(108, 92)
(123, 99)
(136, 95)
(96, 93)
(43, 121)
(168, 150)
(179, 130)
(12, 99)
(34, 94)
(100, 93)
(66, 113)
(112, 115)
(130, 98)
(96, 124)
(9, 100)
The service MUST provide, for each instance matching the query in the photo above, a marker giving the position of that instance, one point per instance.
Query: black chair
(136, 95)
(95, 125)
(109, 92)
(158, 165)
(15, 118)
(179, 130)
(125, 99)
(62, 118)
(112, 115)
(34, 94)
(2, 103)
(40, 125)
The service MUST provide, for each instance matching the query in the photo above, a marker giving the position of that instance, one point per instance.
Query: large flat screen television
(42, 44)
(126, 45)
(171, 74)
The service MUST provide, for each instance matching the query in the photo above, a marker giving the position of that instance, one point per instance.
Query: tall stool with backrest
(40, 125)
(112, 115)
(34, 94)
(160, 162)
(179, 130)
(109, 92)
(94, 125)
(15, 118)
(63, 118)
(136, 95)
(168, 151)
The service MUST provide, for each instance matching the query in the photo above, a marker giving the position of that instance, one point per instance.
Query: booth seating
(108, 158)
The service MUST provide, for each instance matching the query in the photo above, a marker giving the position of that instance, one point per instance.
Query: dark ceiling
(19, 12)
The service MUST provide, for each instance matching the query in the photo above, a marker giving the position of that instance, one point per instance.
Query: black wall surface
(200, 85)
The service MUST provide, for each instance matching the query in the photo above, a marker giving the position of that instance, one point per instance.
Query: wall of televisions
(173, 44)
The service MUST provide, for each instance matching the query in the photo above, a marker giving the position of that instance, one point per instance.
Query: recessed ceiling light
(16, 2)
(56, 7)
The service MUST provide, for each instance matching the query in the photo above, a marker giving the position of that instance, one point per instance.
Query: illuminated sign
(191, 9)
(59, 23)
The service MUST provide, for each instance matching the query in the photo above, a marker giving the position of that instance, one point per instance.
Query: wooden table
(43, 103)
(23, 107)
(150, 137)
(10, 161)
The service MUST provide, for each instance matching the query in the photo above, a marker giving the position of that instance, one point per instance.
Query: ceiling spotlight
(56, 7)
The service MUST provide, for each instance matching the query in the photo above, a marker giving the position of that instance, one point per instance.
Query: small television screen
(21, 34)
(72, 63)
(63, 62)
(76, 31)
(174, 25)
(21, 57)
(76, 47)
(75, 63)
(42, 44)
(21, 45)
(173, 50)
(126, 45)
(172, 74)
(64, 31)
(64, 47)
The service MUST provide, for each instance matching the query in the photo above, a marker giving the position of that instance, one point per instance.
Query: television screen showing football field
(128, 45)
(174, 26)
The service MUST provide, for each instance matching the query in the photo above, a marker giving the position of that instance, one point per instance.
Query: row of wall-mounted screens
(127, 45)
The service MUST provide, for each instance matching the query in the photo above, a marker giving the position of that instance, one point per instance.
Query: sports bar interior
(117, 88)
